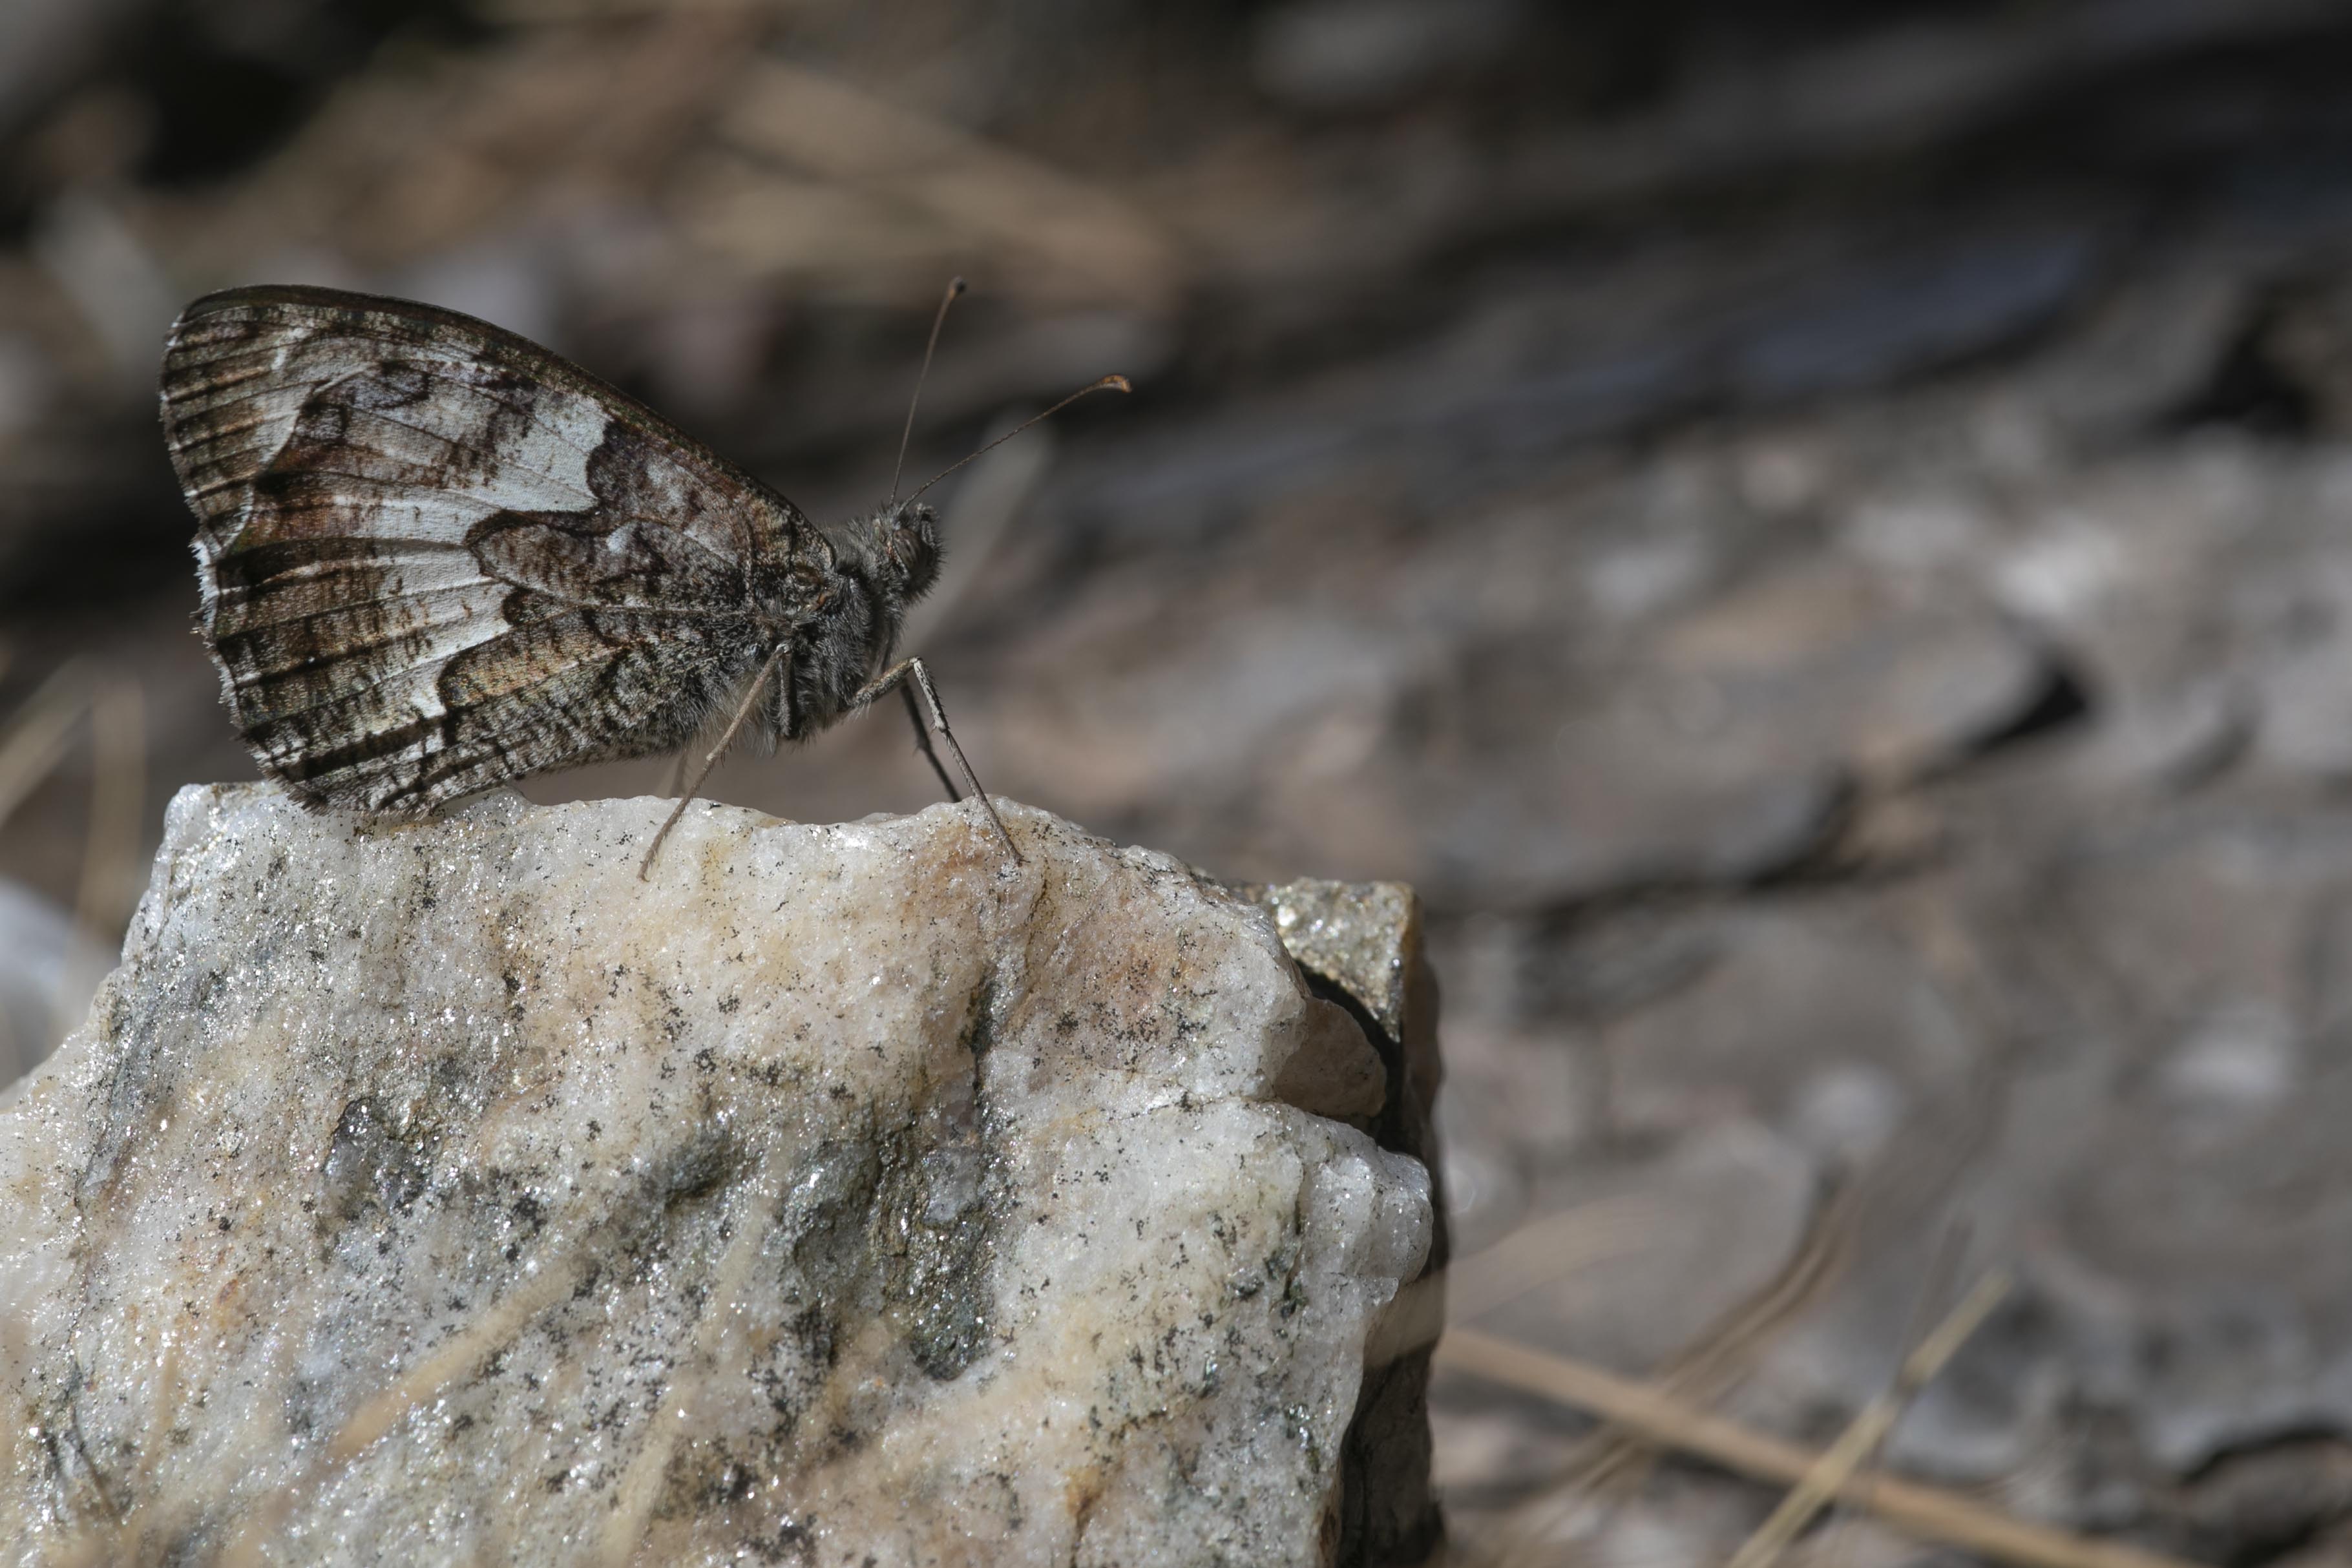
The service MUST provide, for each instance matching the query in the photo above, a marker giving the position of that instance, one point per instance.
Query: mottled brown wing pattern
(436, 558)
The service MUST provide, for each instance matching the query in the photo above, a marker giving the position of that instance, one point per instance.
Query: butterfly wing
(436, 556)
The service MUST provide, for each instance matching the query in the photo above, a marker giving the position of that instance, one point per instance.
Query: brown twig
(1549, 1249)
(1835, 1471)
(1612, 1463)
(1719, 1357)
(961, 192)
(1925, 1512)
(117, 801)
(38, 732)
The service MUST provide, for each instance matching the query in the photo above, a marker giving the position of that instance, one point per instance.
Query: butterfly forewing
(436, 558)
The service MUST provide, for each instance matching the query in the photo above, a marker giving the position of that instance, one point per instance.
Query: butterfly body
(436, 558)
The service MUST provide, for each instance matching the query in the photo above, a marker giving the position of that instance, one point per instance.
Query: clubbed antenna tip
(1109, 384)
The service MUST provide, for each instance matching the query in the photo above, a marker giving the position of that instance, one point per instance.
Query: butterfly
(436, 558)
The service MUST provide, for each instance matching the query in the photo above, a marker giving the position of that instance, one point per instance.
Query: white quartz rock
(441, 1193)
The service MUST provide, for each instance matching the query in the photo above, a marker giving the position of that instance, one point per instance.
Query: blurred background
(1818, 536)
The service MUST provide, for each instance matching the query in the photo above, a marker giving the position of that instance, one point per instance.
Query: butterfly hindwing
(436, 558)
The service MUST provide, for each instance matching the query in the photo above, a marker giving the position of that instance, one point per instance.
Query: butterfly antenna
(955, 287)
(1109, 384)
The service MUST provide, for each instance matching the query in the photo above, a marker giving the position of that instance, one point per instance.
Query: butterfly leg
(743, 710)
(898, 674)
(923, 742)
